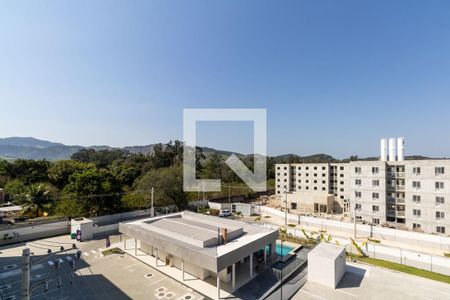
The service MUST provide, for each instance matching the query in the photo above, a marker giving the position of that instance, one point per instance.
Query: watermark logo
(255, 180)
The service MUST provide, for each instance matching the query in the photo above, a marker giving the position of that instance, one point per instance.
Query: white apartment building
(413, 194)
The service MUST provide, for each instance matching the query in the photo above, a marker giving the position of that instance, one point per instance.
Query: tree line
(100, 182)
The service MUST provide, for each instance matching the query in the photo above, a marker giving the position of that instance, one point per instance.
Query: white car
(224, 213)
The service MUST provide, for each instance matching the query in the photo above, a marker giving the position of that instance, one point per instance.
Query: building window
(416, 226)
(375, 170)
(285, 174)
(375, 208)
(323, 189)
(375, 195)
(358, 182)
(307, 168)
(315, 174)
(341, 168)
(416, 170)
(416, 213)
(440, 200)
(439, 170)
(323, 174)
(358, 194)
(439, 185)
(440, 229)
(307, 187)
(278, 168)
(358, 206)
(440, 215)
(416, 184)
(299, 168)
(293, 205)
(285, 180)
(315, 168)
(285, 168)
(416, 198)
(375, 182)
(358, 170)
(376, 221)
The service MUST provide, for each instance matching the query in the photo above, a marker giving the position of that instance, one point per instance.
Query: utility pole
(26, 271)
(354, 222)
(285, 207)
(229, 195)
(203, 188)
(152, 208)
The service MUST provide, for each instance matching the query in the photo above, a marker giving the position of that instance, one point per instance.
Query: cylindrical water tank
(384, 149)
(392, 146)
(401, 149)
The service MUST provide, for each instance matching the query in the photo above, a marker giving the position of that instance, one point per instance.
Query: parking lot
(96, 276)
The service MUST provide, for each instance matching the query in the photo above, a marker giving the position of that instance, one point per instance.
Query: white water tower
(392, 149)
(383, 149)
(401, 149)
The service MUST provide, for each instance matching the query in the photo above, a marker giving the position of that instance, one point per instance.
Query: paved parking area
(96, 276)
(367, 282)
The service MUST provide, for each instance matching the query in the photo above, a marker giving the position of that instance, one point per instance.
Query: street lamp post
(285, 206)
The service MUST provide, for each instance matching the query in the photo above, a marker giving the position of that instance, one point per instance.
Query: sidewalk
(274, 220)
(207, 288)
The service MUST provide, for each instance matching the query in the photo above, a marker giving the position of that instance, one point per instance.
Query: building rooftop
(197, 236)
(327, 250)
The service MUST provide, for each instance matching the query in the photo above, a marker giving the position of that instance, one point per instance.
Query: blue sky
(334, 76)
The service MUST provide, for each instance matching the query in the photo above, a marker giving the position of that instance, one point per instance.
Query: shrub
(214, 212)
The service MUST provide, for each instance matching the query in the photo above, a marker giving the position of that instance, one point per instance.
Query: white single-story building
(326, 264)
(204, 246)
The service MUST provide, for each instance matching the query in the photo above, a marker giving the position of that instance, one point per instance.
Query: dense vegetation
(99, 182)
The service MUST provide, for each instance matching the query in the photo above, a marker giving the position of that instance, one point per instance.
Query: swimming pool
(281, 251)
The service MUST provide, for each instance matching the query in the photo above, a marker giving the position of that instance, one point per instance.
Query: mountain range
(33, 148)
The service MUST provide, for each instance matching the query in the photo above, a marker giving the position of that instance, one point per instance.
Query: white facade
(412, 194)
(326, 264)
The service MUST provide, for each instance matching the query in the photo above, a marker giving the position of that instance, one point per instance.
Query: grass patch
(447, 254)
(401, 268)
(292, 225)
(266, 217)
(112, 251)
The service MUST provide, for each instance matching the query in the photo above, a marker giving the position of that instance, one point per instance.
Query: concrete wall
(33, 232)
(380, 233)
(190, 268)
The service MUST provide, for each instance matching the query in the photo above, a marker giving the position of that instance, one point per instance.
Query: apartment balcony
(400, 201)
(396, 174)
(397, 187)
(400, 214)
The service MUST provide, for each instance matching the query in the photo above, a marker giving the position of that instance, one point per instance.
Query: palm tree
(33, 197)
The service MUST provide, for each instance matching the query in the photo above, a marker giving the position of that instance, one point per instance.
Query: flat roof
(195, 237)
(327, 250)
